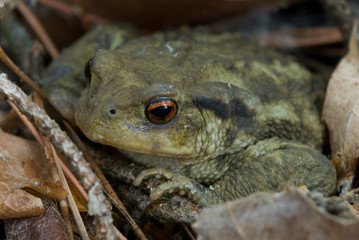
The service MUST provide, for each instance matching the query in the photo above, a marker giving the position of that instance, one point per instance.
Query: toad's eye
(87, 71)
(161, 110)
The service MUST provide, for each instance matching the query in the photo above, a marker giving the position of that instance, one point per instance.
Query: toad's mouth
(156, 152)
(134, 143)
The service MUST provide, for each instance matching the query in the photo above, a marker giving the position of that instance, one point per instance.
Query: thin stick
(38, 29)
(73, 179)
(10, 64)
(68, 173)
(66, 215)
(49, 153)
(188, 232)
(76, 230)
(58, 174)
(71, 200)
(27, 123)
(63, 204)
(82, 15)
(67, 9)
(98, 205)
(301, 37)
(107, 186)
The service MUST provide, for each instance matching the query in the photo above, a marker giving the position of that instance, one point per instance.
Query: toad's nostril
(113, 111)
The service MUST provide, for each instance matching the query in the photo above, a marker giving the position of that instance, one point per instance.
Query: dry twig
(106, 185)
(13, 67)
(300, 37)
(62, 168)
(38, 28)
(67, 9)
(98, 205)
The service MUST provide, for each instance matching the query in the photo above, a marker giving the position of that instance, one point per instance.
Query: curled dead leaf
(16, 203)
(341, 113)
(291, 214)
(49, 225)
(23, 165)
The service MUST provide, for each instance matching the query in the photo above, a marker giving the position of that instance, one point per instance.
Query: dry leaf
(18, 203)
(23, 164)
(291, 214)
(157, 13)
(341, 113)
(47, 226)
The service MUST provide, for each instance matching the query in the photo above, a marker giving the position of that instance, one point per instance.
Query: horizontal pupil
(161, 112)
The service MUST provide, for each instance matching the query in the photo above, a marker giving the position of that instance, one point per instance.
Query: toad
(216, 115)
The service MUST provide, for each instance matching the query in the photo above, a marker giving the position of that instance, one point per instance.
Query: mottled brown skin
(245, 122)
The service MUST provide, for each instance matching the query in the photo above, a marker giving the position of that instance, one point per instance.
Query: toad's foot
(182, 185)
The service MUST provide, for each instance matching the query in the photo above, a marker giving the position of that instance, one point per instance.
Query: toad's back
(226, 74)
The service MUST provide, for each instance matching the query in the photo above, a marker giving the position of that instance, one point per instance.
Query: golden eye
(87, 70)
(161, 110)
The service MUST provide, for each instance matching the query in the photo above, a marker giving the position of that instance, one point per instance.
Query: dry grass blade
(82, 14)
(49, 152)
(38, 29)
(67, 9)
(66, 216)
(302, 37)
(70, 198)
(77, 231)
(27, 123)
(10, 64)
(63, 168)
(98, 205)
(73, 179)
(189, 233)
(108, 189)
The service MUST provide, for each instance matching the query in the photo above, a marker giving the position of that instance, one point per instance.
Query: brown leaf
(341, 112)
(23, 165)
(15, 203)
(50, 225)
(157, 13)
(291, 214)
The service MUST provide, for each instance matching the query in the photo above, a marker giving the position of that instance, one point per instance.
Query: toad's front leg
(181, 184)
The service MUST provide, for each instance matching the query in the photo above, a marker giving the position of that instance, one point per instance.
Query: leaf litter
(341, 114)
(22, 164)
(292, 214)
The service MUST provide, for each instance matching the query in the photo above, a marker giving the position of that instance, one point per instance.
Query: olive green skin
(64, 78)
(245, 121)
